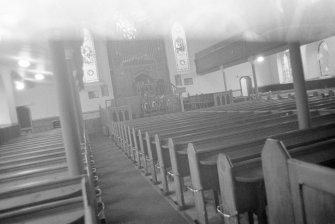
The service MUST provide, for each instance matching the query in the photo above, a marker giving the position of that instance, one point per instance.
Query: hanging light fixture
(39, 76)
(23, 63)
(20, 85)
(260, 59)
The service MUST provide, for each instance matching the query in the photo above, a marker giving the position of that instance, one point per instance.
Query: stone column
(299, 86)
(255, 78)
(67, 113)
(224, 78)
(69, 55)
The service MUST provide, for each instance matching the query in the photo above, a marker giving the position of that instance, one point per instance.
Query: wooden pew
(161, 158)
(23, 164)
(151, 125)
(4, 151)
(64, 201)
(32, 144)
(312, 190)
(13, 154)
(167, 152)
(231, 136)
(38, 192)
(213, 123)
(155, 150)
(274, 161)
(237, 172)
(172, 119)
(178, 128)
(202, 161)
(282, 105)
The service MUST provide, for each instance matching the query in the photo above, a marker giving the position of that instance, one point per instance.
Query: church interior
(146, 111)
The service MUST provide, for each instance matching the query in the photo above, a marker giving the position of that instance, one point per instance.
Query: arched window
(89, 59)
(323, 59)
(180, 48)
(285, 76)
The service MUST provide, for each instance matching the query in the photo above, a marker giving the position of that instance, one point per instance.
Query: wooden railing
(208, 100)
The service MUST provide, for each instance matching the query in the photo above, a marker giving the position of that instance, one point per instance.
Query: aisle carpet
(129, 197)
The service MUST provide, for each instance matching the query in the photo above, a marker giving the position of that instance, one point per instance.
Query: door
(24, 117)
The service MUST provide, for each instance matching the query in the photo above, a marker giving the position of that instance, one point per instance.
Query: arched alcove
(246, 85)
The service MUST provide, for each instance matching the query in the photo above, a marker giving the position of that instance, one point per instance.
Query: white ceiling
(27, 25)
(34, 19)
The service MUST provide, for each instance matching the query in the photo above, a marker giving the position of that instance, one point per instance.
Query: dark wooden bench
(176, 128)
(207, 125)
(274, 161)
(312, 190)
(282, 105)
(155, 149)
(147, 150)
(31, 160)
(166, 152)
(32, 145)
(202, 161)
(63, 201)
(241, 177)
(177, 158)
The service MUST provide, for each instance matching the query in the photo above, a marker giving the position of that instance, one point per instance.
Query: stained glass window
(323, 58)
(285, 76)
(180, 48)
(89, 59)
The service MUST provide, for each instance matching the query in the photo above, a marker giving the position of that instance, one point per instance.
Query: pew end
(313, 192)
(228, 209)
(197, 188)
(162, 167)
(274, 158)
(151, 159)
(178, 180)
(239, 195)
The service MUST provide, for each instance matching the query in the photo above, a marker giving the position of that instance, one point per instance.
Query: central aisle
(128, 196)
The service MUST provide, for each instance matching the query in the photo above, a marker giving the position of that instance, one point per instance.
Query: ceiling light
(39, 76)
(260, 59)
(19, 85)
(24, 63)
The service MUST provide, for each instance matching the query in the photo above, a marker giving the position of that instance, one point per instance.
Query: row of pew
(36, 187)
(227, 154)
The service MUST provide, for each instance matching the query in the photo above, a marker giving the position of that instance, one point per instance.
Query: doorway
(246, 86)
(24, 118)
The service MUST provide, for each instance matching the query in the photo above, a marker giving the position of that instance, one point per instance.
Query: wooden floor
(128, 196)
